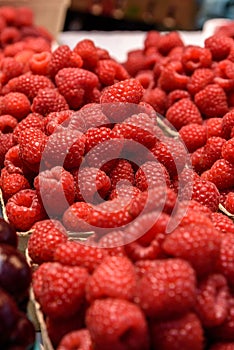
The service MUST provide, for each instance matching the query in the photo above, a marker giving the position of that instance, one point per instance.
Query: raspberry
(6, 142)
(222, 223)
(200, 79)
(48, 100)
(91, 184)
(182, 113)
(129, 330)
(91, 115)
(79, 254)
(192, 205)
(12, 184)
(13, 162)
(214, 127)
(199, 245)
(9, 35)
(24, 56)
(146, 78)
(227, 124)
(122, 172)
(151, 174)
(56, 189)
(224, 75)
(173, 77)
(142, 266)
(88, 52)
(195, 217)
(194, 136)
(181, 333)
(37, 45)
(24, 17)
(46, 236)
(156, 98)
(212, 92)
(206, 193)
(167, 289)
(24, 209)
(219, 46)
(33, 120)
(221, 174)
(10, 68)
(113, 243)
(212, 152)
(138, 61)
(75, 217)
(39, 63)
(28, 84)
(212, 300)
(7, 123)
(54, 120)
(225, 261)
(74, 84)
(169, 41)
(109, 72)
(15, 104)
(77, 339)
(9, 13)
(195, 57)
(124, 189)
(12, 50)
(151, 38)
(176, 95)
(229, 203)
(61, 58)
(61, 289)
(115, 277)
(227, 151)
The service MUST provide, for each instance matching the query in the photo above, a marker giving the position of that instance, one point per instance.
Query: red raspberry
(222, 223)
(24, 209)
(74, 253)
(28, 84)
(9, 13)
(128, 331)
(7, 123)
(124, 190)
(54, 120)
(172, 77)
(13, 161)
(224, 75)
(195, 217)
(12, 50)
(181, 333)
(222, 346)
(176, 95)
(221, 174)
(225, 262)
(167, 289)
(151, 174)
(219, 46)
(75, 217)
(37, 45)
(199, 245)
(212, 152)
(91, 184)
(195, 57)
(12, 184)
(6, 142)
(143, 266)
(200, 79)
(56, 189)
(39, 63)
(60, 289)
(49, 100)
(211, 101)
(74, 84)
(61, 58)
(77, 339)
(227, 124)
(88, 52)
(229, 203)
(109, 72)
(190, 206)
(156, 98)
(227, 151)
(115, 277)
(138, 61)
(15, 104)
(212, 300)
(33, 120)
(146, 78)
(121, 172)
(169, 41)
(206, 193)
(10, 68)
(24, 56)
(9, 35)
(113, 243)
(194, 136)
(182, 113)
(46, 236)
(214, 127)
(25, 17)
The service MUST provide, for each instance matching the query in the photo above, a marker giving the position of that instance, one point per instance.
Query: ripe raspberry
(115, 277)
(24, 56)
(33, 120)
(182, 113)
(12, 50)
(60, 289)
(212, 300)
(227, 151)
(109, 72)
(13, 161)
(9, 13)
(211, 152)
(74, 253)
(194, 136)
(195, 57)
(156, 98)
(211, 101)
(225, 261)
(167, 290)
(168, 41)
(199, 245)
(176, 95)
(124, 189)
(39, 63)
(75, 217)
(142, 266)
(7, 123)
(24, 17)
(6, 142)
(181, 333)
(12, 184)
(121, 172)
(15, 104)
(88, 52)
(24, 209)
(229, 203)
(10, 68)
(113, 243)
(224, 75)
(221, 174)
(214, 127)
(74, 84)
(146, 78)
(54, 120)
(80, 339)
(150, 175)
(151, 38)
(200, 79)
(37, 45)
(28, 84)
(222, 222)
(195, 217)
(61, 58)
(191, 205)
(227, 124)
(128, 331)
(206, 193)
(48, 100)
(9, 35)
(46, 236)
(138, 61)
(172, 77)
(219, 46)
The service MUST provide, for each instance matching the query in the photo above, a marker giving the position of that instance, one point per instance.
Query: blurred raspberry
(200, 78)
(195, 57)
(168, 41)
(10, 68)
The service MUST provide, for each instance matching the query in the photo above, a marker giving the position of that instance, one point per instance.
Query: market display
(129, 214)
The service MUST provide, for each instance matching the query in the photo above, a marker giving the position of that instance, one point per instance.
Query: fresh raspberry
(6, 142)
(194, 217)
(176, 95)
(12, 184)
(61, 290)
(9, 13)
(124, 189)
(9, 35)
(33, 120)
(211, 101)
(151, 38)
(222, 346)
(115, 277)
(61, 58)
(225, 261)
(91, 184)
(54, 120)
(151, 174)
(37, 45)
(39, 63)
(31, 146)
(206, 193)
(65, 148)
(138, 61)
(25, 17)
(194, 136)
(212, 300)
(167, 290)
(146, 78)
(214, 127)
(10, 68)
(211, 152)
(88, 52)
(74, 253)
(13, 161)
(227, 124)
(181, 333)
(74, 83)
(24, 209)
(182, 113)
(200, 79)
(155, 97)
(143, 266)
(15, 104)
(219, 46)
(77, 339)
(128, 331)
(28, 84)
(191, 205)
(49, 100)
(7, 123)
(227, 151)
(12, 50)
(56, 189)
(113, 243)
(221, 174)
(195, 57)
(199, 245)
(222, 222)
(46, 236)
(229, 203)
(121, 172)
(168, 41)
(224, 75)
(24, 56)
(109, 72)
(173, 77)
(75, 217)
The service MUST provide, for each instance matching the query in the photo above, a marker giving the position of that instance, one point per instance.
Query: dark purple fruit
(9, 315)
(24, 333)
(8, 233)
(15, 273)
